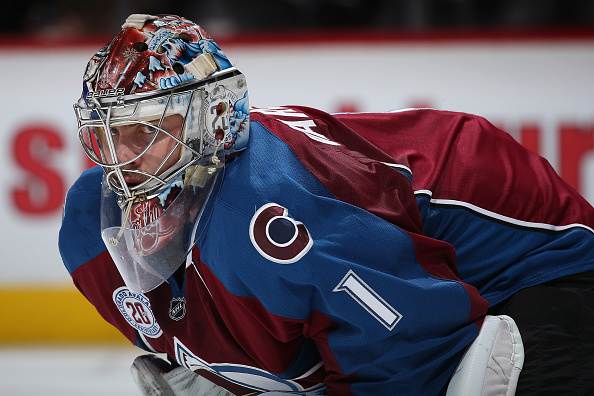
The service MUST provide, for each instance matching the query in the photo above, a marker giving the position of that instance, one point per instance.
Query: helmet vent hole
(185, 37)
(219, 134)
(178, 68)
(140, 46)
(221, 108)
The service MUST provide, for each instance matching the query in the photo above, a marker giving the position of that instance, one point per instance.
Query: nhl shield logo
(177, 308)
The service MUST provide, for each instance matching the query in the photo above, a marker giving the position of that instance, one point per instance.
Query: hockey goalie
(286, 250)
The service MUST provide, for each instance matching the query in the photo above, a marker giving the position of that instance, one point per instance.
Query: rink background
(65, 349)
(38, 370)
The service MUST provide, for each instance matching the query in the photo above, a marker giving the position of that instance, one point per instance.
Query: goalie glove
(157, 377)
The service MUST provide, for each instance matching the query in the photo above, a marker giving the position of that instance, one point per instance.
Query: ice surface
(67, 371)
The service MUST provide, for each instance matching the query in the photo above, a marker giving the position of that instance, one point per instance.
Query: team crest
(278, 237)
(136, 309)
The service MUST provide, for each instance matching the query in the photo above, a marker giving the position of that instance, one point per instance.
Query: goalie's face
(143, 149)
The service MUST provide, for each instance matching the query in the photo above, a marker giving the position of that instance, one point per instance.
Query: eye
(149, 129)
(113, 131)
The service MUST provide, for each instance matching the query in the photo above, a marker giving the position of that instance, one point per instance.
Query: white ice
(67, 371)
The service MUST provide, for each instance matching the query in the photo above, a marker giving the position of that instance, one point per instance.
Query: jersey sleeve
(513, 221)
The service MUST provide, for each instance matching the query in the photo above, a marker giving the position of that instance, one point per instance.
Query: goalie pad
(492, 363)
(156, 377)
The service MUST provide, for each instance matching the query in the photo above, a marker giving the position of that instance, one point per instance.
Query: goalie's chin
(133, 180)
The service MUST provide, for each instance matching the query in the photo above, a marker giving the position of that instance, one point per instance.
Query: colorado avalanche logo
(278, 237)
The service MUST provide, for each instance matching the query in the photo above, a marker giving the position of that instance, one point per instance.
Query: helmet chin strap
(129, 202)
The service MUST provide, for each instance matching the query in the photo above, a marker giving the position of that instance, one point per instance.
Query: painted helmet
(165, 82)
(157, 67)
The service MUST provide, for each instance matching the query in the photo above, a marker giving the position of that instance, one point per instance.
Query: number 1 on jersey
(369, 299)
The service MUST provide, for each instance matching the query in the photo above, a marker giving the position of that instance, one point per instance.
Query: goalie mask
(161, 111)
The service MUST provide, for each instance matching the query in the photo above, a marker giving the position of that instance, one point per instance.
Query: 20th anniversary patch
(137, 311)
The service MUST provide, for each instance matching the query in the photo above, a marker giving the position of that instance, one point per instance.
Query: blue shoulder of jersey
(80, 233)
